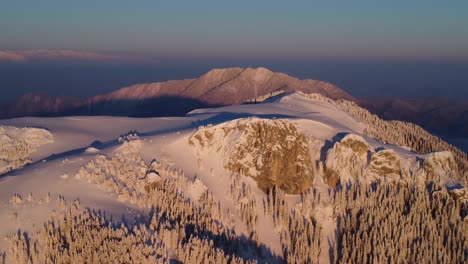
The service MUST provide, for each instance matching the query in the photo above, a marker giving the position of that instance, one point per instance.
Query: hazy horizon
(371, 49)
(259, 30)
(372, 79)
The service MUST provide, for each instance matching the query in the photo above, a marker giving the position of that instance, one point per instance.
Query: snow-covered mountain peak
(260, 75)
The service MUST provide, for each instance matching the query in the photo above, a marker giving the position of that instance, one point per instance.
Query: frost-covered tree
(393, 223)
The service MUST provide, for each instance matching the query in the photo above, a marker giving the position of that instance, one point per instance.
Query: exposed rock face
(276, 153)
(347, 160)
(273, 152)
(406, 134)
(385, 163)
(353, 159)
(439, 166)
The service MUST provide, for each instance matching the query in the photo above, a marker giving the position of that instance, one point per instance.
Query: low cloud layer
(68, 55)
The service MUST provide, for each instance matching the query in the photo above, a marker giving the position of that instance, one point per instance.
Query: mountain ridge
(212, 86)
(216, 87)
(228, 86)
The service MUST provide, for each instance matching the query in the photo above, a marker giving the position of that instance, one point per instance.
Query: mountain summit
(225, 87)
(217, 87)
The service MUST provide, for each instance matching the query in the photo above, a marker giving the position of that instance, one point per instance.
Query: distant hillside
(39, 104)
(215, 88)
(438, 115)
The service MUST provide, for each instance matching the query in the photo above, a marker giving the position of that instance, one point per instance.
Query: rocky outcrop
(272, 152)
(277, 153)
(439, 167)
(347, 160)
(386, 164)
(352, 159)
(406, 134)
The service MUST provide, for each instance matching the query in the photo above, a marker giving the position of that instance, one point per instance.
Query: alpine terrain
(290, 176)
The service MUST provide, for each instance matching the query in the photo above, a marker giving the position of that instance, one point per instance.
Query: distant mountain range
(229, 86)
(215, 88)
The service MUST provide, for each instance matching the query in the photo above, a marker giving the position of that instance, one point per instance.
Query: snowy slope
(87, 161)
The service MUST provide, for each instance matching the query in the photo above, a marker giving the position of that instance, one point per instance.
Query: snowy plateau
(298, 178)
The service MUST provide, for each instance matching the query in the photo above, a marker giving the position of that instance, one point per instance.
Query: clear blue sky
(302, 30)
